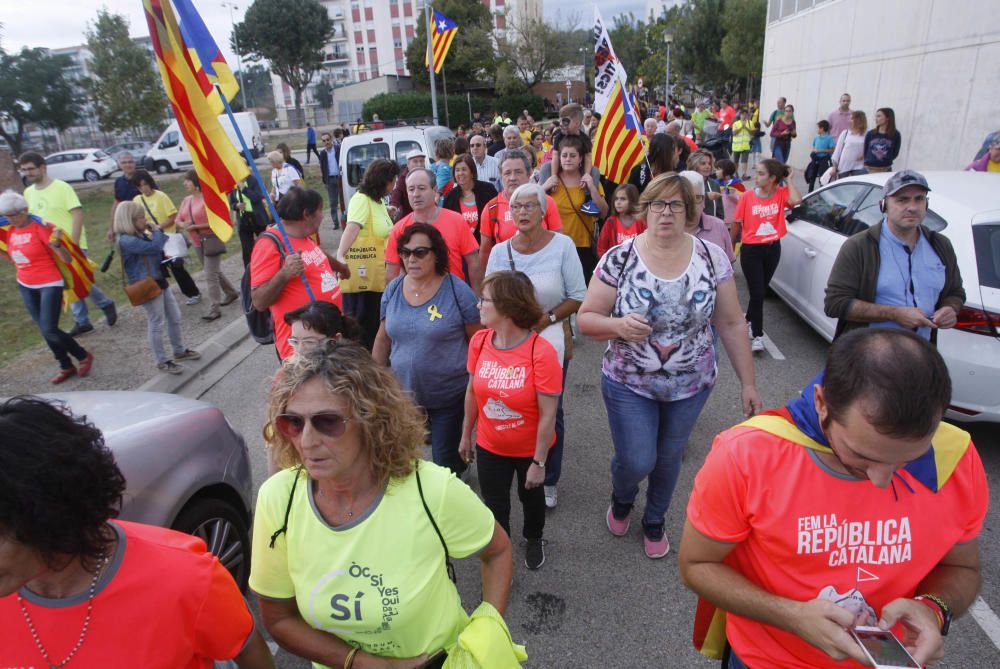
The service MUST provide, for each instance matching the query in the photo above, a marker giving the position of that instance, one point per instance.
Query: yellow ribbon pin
(434, 313)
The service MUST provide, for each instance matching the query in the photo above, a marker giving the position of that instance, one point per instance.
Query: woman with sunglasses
(332, 586)
(317, 323)
(428, 316)
(511, 402)
(653, 300)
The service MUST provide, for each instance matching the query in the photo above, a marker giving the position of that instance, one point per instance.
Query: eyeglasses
(327, 423)
(306, 344)
(524, 206)
(676, 206)
(486, 299)
(698, 199)
(419, 253)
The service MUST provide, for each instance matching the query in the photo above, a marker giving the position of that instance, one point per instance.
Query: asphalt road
(598, 601)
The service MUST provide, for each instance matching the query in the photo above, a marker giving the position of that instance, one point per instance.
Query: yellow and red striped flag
(217, 162)
(210, 66)
(617, 145)
(443, 33)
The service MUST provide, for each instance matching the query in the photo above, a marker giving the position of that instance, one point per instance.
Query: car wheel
(91, 175)
(162, 167)
(224, 531)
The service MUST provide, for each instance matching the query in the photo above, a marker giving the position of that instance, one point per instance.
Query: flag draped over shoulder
(443, 32)
(186, 67)
(618, 143)
(78, 274)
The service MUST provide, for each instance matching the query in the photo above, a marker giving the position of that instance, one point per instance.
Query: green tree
(290, 35)
(470, 59)
(534, 49)
(34, 90)
(260, 94)
(125, 91)
(697, 47)
(629, 39)
(743, 45)
(324, 93)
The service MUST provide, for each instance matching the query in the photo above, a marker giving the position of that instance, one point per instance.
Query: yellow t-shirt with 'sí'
(378, 582)
(161, 207)
(55, 204)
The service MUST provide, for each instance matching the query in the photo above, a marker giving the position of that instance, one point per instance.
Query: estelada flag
(210, 65)
(618, 143)
(77, 274)
(443, 32)
(217, 162)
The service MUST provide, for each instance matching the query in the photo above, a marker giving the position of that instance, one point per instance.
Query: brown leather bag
(143, 290)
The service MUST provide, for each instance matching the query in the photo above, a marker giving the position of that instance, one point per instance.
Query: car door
(56, 167)
(815, 237)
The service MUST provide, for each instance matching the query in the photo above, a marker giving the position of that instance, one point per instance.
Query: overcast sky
(62, 23)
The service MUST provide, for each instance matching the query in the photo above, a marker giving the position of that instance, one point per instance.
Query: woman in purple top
(783, 132)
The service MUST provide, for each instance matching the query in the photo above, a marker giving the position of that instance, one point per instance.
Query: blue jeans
(43, 304)
(445, 426)
(163, 310)
(649, 439)
(553, 464)
(735, 662)
(81, 316)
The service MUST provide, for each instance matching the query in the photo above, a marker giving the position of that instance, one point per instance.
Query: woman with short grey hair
(551, 262)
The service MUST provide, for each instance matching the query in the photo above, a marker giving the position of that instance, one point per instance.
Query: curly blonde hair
(392, 427)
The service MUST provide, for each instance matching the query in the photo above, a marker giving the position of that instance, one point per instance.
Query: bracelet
(349, 660)
(540, 465)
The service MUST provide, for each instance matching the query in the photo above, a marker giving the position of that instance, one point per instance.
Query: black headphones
(881, 205)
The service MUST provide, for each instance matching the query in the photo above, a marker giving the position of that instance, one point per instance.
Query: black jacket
(483, 190)
(324, 166)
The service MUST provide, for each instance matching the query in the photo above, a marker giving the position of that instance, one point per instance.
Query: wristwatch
(941, 610)
(540, 465)
(552, 317)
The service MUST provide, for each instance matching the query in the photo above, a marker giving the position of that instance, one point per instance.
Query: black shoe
(111, 314)
(81, 329)
(534, 554)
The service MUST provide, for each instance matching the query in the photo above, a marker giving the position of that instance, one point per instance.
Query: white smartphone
(883, 648)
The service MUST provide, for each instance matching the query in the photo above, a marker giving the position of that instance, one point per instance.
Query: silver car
(185, 466)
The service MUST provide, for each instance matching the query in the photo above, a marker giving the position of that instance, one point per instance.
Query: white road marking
(987, 620)
(771, 348)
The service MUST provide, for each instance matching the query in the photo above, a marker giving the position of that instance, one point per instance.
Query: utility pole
(430, 61)
(239, 57)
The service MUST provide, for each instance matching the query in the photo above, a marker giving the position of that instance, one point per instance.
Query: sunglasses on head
(326, 423)
(419, 253)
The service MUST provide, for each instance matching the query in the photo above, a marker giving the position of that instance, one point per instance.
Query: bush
(417, 105)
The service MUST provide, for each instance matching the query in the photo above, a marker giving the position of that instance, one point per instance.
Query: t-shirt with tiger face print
(677, 360)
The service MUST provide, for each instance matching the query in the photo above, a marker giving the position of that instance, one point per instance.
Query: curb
(219, 355)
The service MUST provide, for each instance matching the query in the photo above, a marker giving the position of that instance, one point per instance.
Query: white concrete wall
(935, 62)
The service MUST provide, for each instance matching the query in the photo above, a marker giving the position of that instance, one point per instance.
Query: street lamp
(668, 37)
(239, 58)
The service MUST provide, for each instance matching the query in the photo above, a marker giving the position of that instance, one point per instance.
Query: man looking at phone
(853, 505)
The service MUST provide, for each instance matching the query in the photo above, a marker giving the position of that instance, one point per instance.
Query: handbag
(176, 247)
(212, 246)
(145, 289)
(365, 259)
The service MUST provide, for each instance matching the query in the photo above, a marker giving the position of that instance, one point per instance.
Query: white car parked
(80, 165)
(965, 207)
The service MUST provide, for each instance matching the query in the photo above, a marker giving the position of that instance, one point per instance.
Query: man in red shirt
(854, 505)
(497, 225)
(421, 189)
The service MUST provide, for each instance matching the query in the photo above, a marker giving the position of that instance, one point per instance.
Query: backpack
(259, 322)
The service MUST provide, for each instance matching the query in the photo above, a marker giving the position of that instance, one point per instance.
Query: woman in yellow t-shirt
(569, 190)
(160, 211)
(352, 540)
(367, 211)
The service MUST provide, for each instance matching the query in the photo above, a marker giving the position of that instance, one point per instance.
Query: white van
(170, 151)
(357, 152)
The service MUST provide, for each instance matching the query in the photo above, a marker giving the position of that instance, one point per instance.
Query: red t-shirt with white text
(614, 232)
(324, 282)
(29, 248)
(506, 384)
(763, 219)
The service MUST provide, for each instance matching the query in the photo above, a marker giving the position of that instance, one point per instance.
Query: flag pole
(262, 186)
(444, 86)
(430, 65)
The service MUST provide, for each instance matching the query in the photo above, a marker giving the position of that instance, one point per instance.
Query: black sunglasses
(326, 423)
(419, 253)
(565, 120)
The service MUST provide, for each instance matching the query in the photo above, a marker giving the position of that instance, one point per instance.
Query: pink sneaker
(618, 527)
(654, 542)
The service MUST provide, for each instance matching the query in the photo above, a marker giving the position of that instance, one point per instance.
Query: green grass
(17, 330)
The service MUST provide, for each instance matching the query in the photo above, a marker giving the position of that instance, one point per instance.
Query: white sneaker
(551, 496)
(193, 300)
(757, 344)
